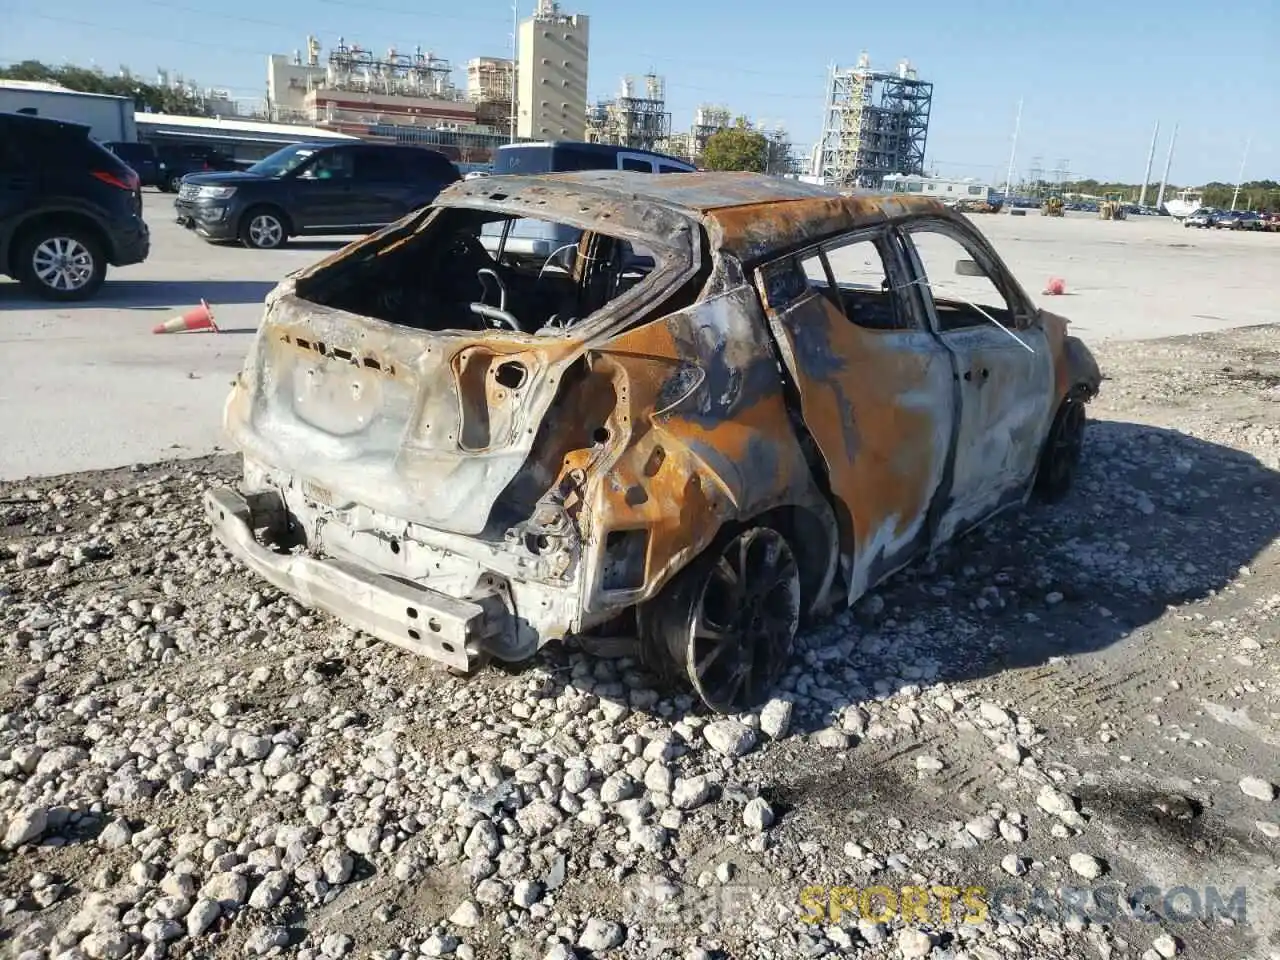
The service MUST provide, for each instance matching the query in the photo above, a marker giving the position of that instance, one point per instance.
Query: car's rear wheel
(263, 228)
(1060, 459)
(726, 624)
(61, 263)
(175, 182)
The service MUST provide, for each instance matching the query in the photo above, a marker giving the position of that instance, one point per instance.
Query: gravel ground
(1075, 710)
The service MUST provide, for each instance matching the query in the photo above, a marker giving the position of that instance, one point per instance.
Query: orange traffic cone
(201, 318)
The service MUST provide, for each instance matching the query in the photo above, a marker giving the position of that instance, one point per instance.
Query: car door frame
(998, 443)
(857, 434)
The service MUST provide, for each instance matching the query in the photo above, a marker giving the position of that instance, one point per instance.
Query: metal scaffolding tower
(874, 124)
(640, 122)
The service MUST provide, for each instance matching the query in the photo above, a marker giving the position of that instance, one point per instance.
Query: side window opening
(865, 290)
(330, 165)
(813, 266)
(958, 296)
(639, 166)
(378, 166)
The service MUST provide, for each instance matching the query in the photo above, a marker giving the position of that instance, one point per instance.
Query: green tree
(737, 148)
(145, 96)
(1263, 195)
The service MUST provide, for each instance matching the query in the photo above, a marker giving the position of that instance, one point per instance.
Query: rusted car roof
(749, 215)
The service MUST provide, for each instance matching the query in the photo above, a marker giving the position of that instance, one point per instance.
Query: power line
(147, 36)
(416, 14)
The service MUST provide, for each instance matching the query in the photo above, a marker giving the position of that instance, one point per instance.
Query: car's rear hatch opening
(410, 374)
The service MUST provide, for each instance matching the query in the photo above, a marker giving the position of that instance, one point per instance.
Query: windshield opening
(458, 275)
(283, 160)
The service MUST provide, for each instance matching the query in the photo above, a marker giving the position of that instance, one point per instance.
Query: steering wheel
(496, 315)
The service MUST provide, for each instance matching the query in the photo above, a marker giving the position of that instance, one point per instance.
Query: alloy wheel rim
(265, 230)
(744, 620)
(62, 263)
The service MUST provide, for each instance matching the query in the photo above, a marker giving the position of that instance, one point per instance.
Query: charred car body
(739, 401)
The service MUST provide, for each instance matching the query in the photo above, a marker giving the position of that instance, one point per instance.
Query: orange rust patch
(884, 458)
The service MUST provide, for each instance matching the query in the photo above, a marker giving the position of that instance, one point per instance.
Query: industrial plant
(538, 94)
(874, 124)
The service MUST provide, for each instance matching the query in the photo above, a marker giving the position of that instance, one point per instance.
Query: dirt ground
(1058, 738)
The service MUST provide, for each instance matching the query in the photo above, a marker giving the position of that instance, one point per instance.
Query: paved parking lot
(88, 386)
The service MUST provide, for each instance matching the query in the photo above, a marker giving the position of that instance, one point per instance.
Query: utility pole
(1236, 194)
(1151, 155)
(1013, 151)
(515, 62)
(1168, 162)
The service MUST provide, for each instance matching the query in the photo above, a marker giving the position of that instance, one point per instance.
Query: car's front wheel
(263, 228)
(727, 622)
(1060, 458)
(61, 263)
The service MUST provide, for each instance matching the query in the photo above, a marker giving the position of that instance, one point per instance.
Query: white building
(551, 89)
(107, 117)
(489, 78)
(290, 79)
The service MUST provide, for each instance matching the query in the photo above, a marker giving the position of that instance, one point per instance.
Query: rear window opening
(462, 272)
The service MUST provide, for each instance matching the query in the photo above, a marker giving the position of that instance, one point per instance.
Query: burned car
(734, 403)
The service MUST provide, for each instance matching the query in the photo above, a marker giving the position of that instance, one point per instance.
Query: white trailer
(108, 118)
(946, 189)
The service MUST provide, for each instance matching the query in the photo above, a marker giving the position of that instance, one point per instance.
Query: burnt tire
(61, 263)
(1060, 458)
(725, 626)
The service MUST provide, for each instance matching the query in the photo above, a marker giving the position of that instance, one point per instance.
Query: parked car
(1201, 218)
(310, 189)
(142, 159)
(1247, 220)
(68, 208)
(180, 159)
(539, 240)
(471, 456)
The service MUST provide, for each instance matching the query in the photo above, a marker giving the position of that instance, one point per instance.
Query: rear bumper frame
(447, 629)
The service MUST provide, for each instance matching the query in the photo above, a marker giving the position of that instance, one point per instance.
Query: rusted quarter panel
(706, 437)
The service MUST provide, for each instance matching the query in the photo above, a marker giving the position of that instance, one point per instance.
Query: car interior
(443, 278)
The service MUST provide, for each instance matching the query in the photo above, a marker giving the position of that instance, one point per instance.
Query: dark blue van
(538, 239)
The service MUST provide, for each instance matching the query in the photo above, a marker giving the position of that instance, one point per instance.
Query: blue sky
(1095, 76)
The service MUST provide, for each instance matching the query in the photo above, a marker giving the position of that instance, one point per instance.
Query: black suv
(313, 189)
(179, 159)
(142, 159)
(68, 207)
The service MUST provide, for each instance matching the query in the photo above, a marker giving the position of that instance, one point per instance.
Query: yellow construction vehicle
(1052, 207)
(1112, 207)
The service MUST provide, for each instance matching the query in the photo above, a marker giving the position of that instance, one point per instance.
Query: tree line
(1261, 195)
(147, 97)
